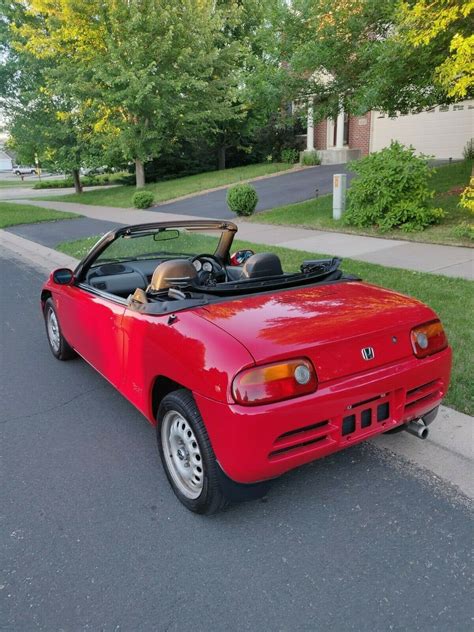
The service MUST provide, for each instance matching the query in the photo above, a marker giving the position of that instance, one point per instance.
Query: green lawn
(447, 182)
(17, 183)
(122, 195)
(452, 299)
(12, 214)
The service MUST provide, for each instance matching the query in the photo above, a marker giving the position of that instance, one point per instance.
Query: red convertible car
(246, 371)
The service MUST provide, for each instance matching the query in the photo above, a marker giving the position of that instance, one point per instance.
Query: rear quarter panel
(189, 350)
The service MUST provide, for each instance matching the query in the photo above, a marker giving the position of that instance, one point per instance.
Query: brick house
(442, 132)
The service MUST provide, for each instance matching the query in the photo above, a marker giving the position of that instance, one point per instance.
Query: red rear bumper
(261, 442)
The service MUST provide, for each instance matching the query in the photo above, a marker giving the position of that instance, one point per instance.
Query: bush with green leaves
(290, 154)
(310, 159)
(142, 199)
(467, 197)
(392, 191)
(468, 151)
(242, 199)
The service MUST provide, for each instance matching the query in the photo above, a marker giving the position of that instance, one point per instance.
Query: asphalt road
(92, 538)
(287, 188)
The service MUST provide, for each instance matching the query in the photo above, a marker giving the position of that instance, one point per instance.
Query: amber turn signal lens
(274, 382)
(428, 339)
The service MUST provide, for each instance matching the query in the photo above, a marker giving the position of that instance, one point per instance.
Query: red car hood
(329, 324)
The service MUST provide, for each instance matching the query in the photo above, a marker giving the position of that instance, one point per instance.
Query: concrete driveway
(278, 190)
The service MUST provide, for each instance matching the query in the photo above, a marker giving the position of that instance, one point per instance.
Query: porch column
(340, 130)
(310, 128)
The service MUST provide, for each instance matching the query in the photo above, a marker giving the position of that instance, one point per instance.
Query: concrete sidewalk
(452, 261)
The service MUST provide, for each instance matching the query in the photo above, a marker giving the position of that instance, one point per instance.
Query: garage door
(5, 164)
(441, 132)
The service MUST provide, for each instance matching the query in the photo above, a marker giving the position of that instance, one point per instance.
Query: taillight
(428, 338)
(274, 382)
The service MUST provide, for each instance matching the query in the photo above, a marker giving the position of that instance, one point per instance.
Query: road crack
(55, 407)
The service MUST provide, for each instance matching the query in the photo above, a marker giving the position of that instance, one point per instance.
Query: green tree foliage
(393, 55)
(445, 26)
(45, 124)
(152, 71)
(392, 191)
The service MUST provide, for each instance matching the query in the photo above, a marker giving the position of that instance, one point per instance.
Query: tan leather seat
(172, 273)
(137, 298)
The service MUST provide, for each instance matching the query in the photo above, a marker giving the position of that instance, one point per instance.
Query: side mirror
(240, 257)
(62, 276)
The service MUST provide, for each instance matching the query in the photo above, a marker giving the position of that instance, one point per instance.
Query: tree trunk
(221, 157)
(77, 180)
(139, 173)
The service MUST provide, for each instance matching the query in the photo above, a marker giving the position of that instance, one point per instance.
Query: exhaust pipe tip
(417, 429)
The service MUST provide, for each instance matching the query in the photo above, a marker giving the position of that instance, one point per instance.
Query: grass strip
(13, 214)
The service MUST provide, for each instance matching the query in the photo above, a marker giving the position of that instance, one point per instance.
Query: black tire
(212, 497)
(61, 350)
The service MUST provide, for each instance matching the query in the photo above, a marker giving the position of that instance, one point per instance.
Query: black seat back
(264, 264)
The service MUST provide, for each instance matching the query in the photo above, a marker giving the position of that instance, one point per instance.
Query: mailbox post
(339, 182)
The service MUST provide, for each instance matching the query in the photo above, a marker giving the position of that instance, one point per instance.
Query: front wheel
(57, 343)
(187, 455)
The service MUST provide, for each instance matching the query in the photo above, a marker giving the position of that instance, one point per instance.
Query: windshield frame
(228, 231)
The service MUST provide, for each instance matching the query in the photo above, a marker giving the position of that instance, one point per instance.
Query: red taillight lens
(274, 382)
(428, 339)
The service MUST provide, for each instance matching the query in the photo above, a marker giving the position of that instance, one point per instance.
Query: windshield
(166, 243)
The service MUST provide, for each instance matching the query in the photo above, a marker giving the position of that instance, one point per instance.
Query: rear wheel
(57, 343)
(187, 455)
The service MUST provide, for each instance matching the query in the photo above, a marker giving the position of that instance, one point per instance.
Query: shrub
(467, 197)
(468, 151)
(86, 181)
(290, 155)
(464, 230)
(242, 199)
(142, 199)
(391, 191)
(310, 158)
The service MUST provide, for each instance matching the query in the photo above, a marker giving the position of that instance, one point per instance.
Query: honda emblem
(368, 353)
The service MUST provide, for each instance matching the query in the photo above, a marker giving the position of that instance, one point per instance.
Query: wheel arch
(161, 387)
(45, 294)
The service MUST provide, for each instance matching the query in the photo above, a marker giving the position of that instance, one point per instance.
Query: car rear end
(378, 360)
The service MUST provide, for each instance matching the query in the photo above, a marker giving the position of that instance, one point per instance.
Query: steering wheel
(217, 271)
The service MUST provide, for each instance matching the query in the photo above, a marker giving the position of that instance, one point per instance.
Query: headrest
(172, 273)
(263, 264)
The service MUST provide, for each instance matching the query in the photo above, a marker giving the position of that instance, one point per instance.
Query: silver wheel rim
(53, 330)
(182, 454)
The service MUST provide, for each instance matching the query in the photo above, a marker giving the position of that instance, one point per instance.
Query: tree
(151, 69)
(445, 26)
(45, 121)
(367, 54)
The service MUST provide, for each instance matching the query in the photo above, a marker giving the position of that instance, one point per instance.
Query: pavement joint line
(448, 454)
(451, 265)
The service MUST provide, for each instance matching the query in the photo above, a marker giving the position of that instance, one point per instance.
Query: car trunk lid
(344, 327)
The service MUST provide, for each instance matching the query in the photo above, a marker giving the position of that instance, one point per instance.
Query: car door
(91, 321)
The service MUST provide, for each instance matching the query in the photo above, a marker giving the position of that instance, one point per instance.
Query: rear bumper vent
(423, 396)
(300, 438)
